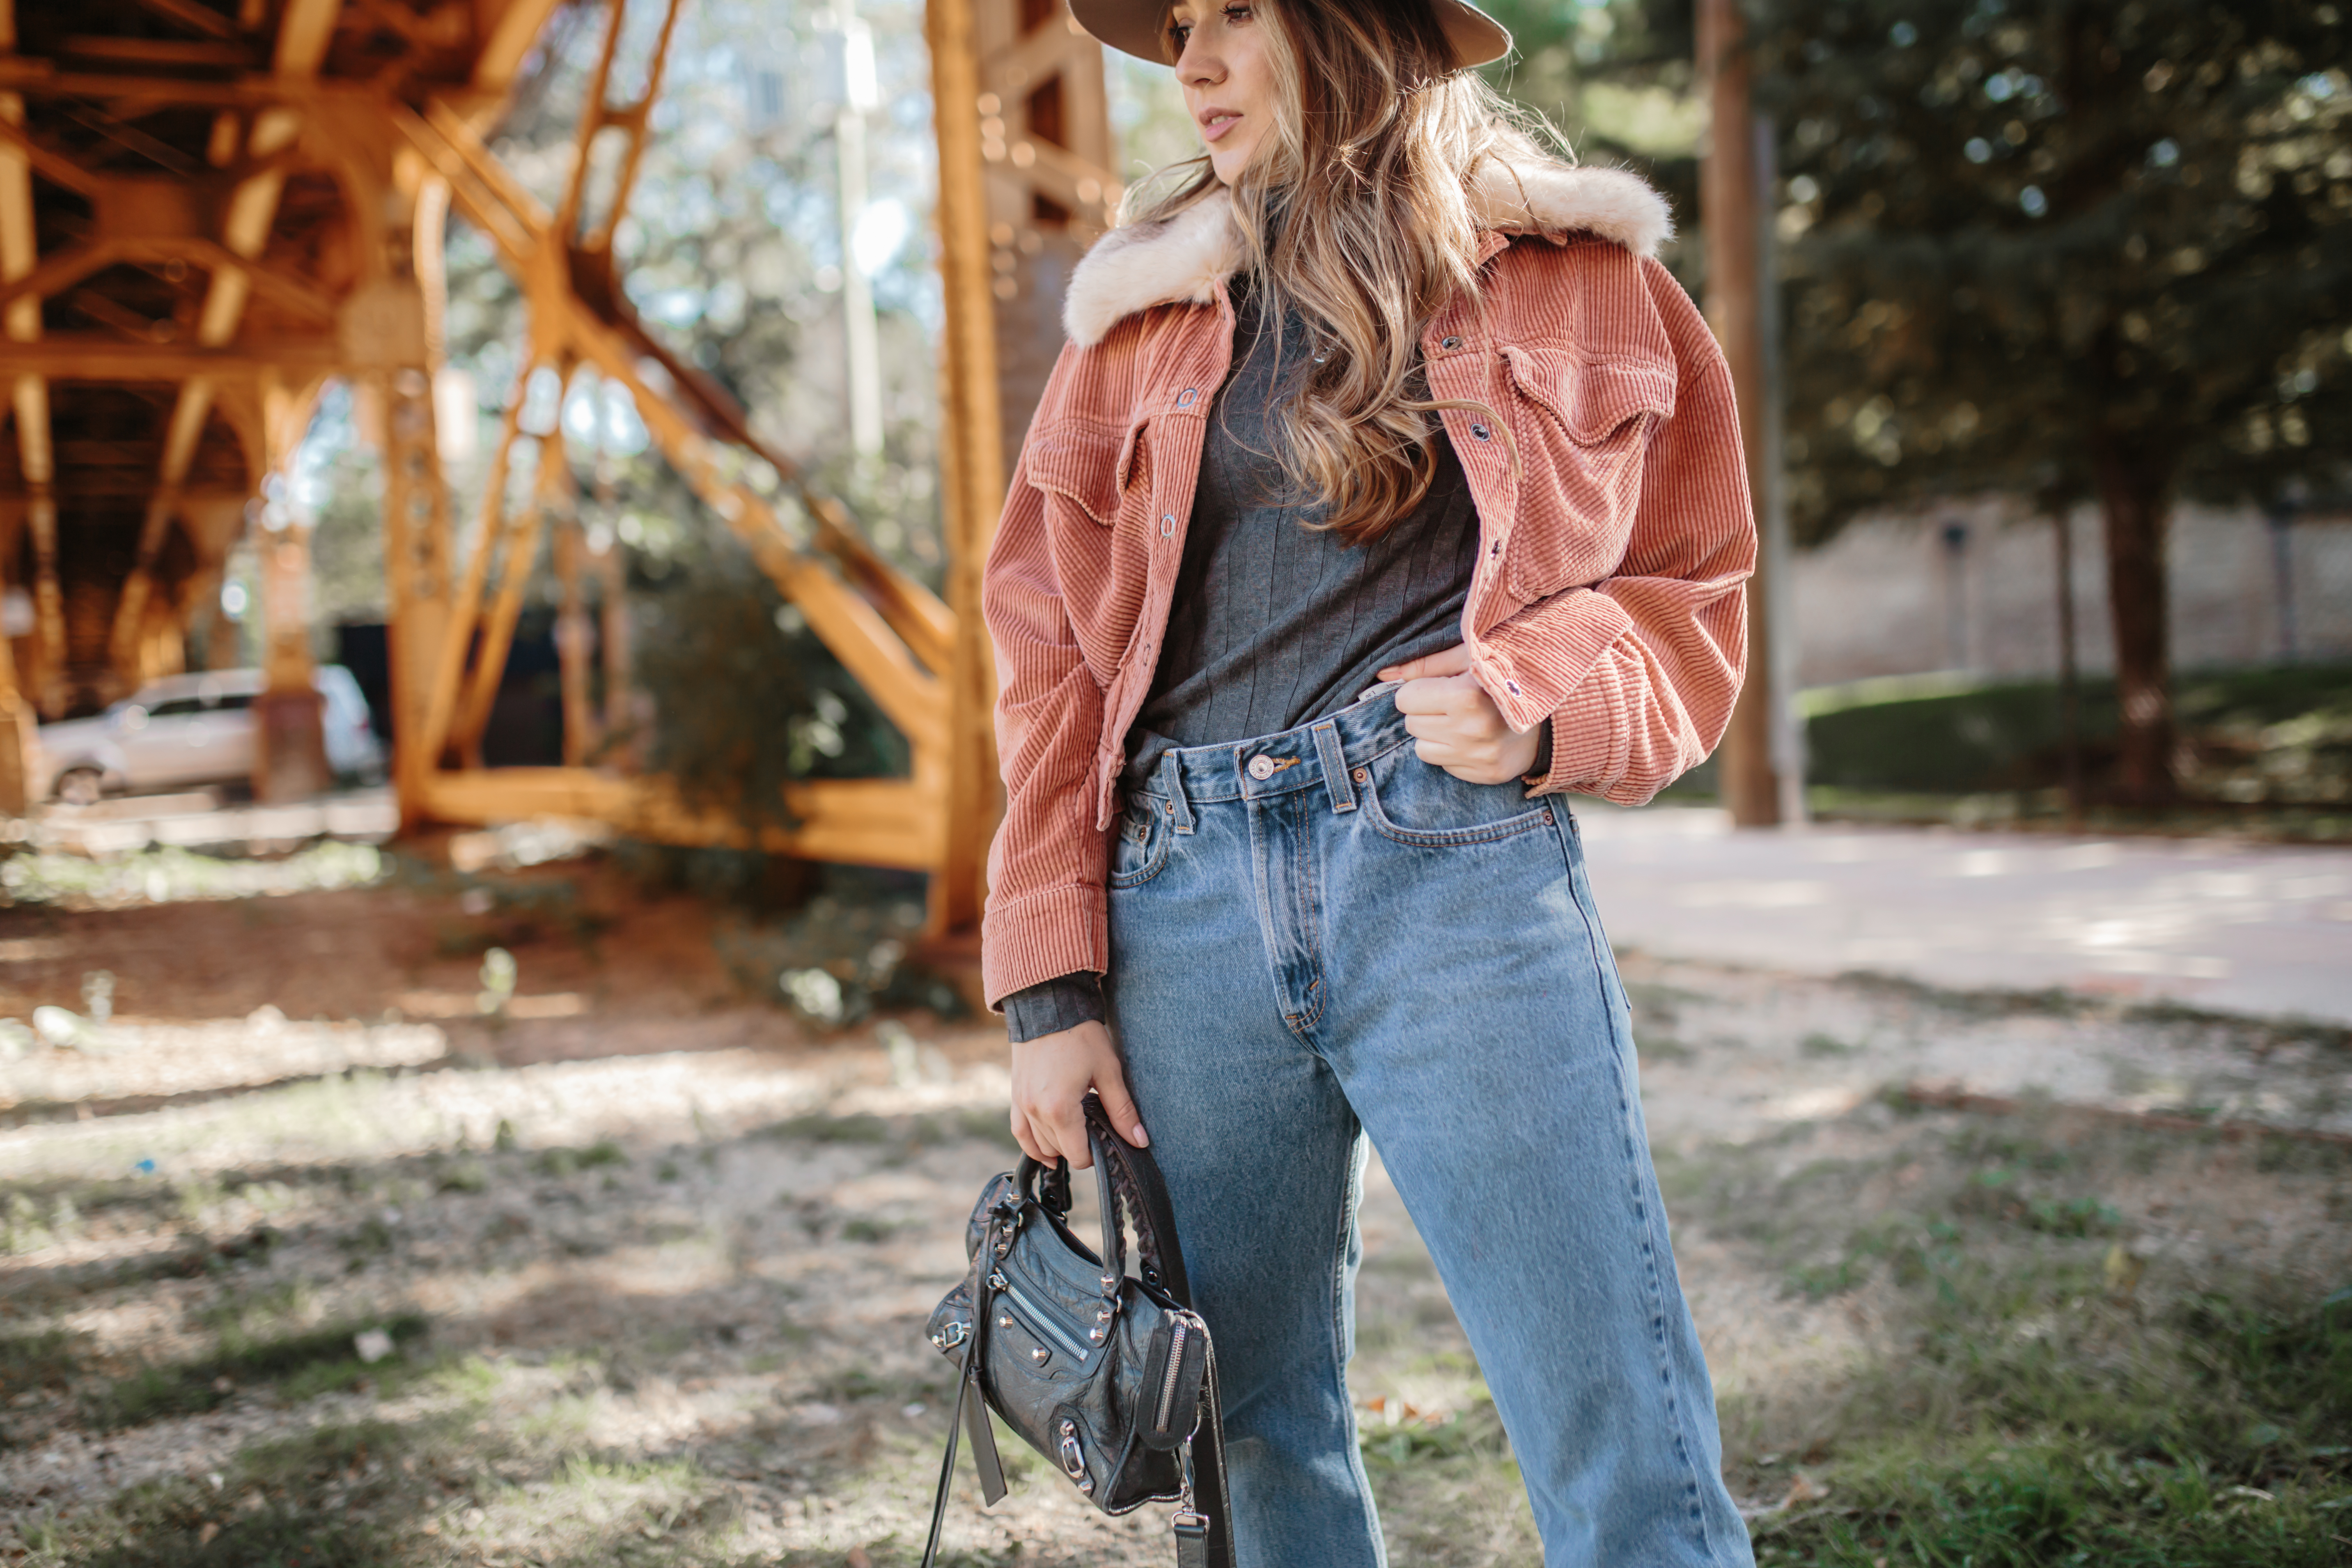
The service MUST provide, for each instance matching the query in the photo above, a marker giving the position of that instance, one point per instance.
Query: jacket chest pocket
(1096, 485)
(1098, 475)
(1585, 427)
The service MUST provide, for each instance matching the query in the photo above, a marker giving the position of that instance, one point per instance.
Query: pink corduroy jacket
(1613, 521)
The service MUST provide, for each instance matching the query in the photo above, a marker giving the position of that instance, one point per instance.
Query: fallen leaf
(1804, 1490)
(205, 1536)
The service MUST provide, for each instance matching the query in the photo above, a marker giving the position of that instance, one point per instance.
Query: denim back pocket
(1421, 804)
(1139, 844)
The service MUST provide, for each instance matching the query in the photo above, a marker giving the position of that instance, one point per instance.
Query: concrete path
(2258, 929)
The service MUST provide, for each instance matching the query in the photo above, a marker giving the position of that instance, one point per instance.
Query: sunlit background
(528, 1191)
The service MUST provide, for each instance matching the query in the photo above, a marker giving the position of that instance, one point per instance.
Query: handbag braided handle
(1128, 1179)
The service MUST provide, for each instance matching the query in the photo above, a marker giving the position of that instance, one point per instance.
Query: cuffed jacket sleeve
(1045, 914)
(1638, 671)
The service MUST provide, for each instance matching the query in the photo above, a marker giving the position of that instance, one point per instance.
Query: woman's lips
(1214, 124)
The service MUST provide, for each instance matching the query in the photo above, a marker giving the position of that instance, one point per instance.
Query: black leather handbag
(1109, 1375)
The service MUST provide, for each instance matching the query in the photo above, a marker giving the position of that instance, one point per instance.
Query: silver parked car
(195, 729)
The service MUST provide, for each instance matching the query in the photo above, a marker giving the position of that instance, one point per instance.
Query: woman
(1388, 490)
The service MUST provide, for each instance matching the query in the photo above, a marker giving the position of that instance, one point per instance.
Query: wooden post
(290, 752)
(2070, 690)
(1728, 210)
(972, 463)
(21, 784)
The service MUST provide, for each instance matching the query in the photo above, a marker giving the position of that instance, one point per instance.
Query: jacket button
(1449, 342)
(1168, 525)
(1261, 768)
(1481, 433)
(1184, 399)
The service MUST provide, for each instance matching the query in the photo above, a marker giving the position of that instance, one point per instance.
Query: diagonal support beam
(304, 30)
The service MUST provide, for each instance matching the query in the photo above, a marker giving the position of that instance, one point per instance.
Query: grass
(2043, 1394)
(303, 1364)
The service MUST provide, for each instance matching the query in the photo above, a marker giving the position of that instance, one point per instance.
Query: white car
(195, 729)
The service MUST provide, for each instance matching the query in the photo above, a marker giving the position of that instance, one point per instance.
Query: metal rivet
(1040, 1353)
(1005, 1322)
(1261, 768)
(1481, 433)
(1110, 1281)
(1095, 1336)
(1105, 1315)
(1449, 342)
(1168, 526)
(1547, 814)
(1360, 776)
(1171, 809)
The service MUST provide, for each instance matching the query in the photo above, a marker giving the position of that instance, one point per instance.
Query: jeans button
(1261, 768)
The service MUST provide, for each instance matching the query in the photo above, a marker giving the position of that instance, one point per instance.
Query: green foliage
(2280, 735)
(2030, 237)
(749, 698)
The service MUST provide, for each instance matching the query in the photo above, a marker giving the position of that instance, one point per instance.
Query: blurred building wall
(1972, 586)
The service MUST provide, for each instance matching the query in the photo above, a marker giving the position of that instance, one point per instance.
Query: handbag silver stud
(1110, 1281)
(1039, 1354)
(1005, 1322)
(1096, 1335)
(1106, 1314)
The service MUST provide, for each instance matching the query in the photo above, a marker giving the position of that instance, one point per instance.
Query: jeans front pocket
(1139, 845)
(1419, 803)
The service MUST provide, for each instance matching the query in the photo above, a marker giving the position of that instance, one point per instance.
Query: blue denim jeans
(1314, 936)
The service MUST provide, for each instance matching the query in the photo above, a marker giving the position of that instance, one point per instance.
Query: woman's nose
(1199, 66)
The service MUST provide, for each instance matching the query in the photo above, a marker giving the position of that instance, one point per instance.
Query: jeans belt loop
(1335, 766)
(1172, 780)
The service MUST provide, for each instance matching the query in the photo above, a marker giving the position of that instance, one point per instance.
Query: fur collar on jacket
(1193, 256)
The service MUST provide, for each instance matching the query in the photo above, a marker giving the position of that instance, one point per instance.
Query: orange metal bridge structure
(209, 209)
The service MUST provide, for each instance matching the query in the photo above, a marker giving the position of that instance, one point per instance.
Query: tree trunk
(2134, 486)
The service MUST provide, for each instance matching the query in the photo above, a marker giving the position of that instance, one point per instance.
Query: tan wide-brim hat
(1133, 27)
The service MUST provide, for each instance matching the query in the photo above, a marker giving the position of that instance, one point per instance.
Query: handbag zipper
(1045, 1321)
(1175, 1370)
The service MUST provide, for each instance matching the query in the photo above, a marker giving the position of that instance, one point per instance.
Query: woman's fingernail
(1137, 1137)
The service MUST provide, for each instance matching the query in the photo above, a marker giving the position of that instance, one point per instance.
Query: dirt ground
(304, 1259)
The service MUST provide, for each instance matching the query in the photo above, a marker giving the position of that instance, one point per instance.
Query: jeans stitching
(1351, 1194)
(1155, 860)
(1693, 1486)
(1446, 837)
(1302, 881)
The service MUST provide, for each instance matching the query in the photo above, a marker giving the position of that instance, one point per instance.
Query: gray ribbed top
(1276, 622)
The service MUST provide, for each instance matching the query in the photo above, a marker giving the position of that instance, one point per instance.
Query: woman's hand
(1050, 1075)
(1456, 723)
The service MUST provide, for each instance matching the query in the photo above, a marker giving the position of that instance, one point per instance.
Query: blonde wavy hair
(1357, 214)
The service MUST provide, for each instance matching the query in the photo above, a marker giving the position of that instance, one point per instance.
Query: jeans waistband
(1319, 754)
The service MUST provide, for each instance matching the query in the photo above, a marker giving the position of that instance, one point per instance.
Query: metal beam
(88, 356)
(20, 321)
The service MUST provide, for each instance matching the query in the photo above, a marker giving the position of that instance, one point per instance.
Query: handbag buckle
(954, 1334)
(1073, 1458)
